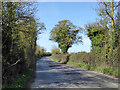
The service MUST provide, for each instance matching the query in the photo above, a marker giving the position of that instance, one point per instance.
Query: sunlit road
(50, 74)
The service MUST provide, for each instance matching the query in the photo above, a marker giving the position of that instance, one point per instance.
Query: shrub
(92, 67)
(116, 73)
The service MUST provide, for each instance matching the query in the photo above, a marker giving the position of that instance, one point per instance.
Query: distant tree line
(40, 52)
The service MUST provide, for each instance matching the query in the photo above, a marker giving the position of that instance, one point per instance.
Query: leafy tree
(106, 25)
(117, 29)
(98, 36)
(65, 34)
(107, 12)
(19, 35)
(104, 33)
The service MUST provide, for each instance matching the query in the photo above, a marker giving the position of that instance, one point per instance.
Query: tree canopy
(65, 34)
(104, 33)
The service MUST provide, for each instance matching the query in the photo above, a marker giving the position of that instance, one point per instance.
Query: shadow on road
(51, 74)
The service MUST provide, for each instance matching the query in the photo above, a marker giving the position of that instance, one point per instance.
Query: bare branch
(12, 65)
(117, 6)
(108, 12)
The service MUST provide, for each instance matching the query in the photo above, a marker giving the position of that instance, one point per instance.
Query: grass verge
(54, 59)
(108, 71)
(20, 81)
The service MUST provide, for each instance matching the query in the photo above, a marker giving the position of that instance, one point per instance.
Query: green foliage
(82, 57)
(88, 61)
(20, 81)
(104, 36)
(62, 58)
(40, 51)
(100, 69)
(55, 50)
(54, 59)
(65, 34)
(107, 11)
(105, 52)
(19, 35)
(92, 67)
(97, 35)
(116, 73)
(75, 64)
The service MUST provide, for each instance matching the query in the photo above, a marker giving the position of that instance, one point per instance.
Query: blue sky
(79, 13)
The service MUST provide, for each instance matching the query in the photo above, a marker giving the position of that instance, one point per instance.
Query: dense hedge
(19, 35)
(91, 61)
(63, 58)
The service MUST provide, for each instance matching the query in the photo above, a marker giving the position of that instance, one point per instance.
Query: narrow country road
(50, 74)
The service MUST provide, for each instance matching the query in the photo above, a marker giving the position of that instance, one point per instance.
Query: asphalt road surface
(51, 74)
